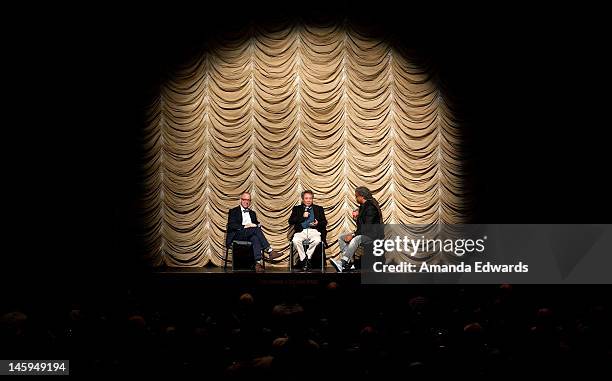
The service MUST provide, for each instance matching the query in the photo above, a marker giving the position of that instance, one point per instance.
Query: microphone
(307, 210)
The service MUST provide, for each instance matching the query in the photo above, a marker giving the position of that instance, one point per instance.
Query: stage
(273, 275)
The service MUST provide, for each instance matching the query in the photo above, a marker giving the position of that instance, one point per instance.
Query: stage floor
(214, 275)
(220, 270)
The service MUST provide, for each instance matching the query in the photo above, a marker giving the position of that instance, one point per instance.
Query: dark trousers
(256, 237)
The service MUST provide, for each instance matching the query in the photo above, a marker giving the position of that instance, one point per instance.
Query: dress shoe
(273, 254)
(346, 266)
(307, 265)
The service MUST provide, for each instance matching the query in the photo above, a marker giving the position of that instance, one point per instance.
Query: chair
(243, 258)
(319, 252)
(364, 249)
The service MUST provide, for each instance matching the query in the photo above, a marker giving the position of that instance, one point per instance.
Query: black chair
(318, 253)
(243, 258)
(364, 249)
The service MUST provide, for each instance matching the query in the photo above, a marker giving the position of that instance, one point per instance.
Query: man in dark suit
(310, 224)
(242, 225)
(369, 228)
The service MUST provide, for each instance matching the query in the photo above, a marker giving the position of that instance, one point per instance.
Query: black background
(530, 81)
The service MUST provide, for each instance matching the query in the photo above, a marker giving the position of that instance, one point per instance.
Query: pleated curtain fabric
(298, 106)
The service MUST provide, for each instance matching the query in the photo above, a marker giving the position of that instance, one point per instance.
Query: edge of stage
(199, 286)
(272, 275)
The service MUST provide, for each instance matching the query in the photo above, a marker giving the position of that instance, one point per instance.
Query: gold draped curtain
(279, 110)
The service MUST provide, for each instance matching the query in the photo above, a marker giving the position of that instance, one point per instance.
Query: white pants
(313, 235)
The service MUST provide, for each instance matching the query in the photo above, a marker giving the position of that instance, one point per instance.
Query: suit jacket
(369, 216)
(297, 217)
(234, 223)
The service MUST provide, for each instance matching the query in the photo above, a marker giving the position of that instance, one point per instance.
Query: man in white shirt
(242, 225)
